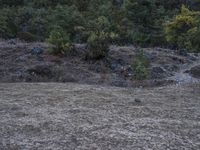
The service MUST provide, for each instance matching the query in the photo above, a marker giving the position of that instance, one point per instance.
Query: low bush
(60, 41)
(140, 66)
(98, 43)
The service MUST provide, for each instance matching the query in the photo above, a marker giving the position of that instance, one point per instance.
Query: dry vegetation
(72, 116)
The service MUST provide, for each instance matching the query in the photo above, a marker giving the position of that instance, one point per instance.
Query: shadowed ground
(72, 117)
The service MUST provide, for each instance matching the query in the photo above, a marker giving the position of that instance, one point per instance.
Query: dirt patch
(73, 116)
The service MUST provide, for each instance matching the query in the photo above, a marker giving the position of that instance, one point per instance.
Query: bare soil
(71, 116)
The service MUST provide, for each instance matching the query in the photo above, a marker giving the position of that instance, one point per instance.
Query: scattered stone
(22, 58)
(12, 42)
(114, 67)
(118, 81)
(80, 49)
(183, 52)
(137, 100)
(120, 56)
(195, 72)
(37, 51)
(171, 67)
(150, 56)
(192, 58)
(158, 73)
(127, 71)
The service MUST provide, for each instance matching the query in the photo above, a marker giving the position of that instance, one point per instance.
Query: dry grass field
(70, 116)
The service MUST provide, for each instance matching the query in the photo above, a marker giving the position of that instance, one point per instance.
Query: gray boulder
(157, 73)
(37, 51)
(195, 72)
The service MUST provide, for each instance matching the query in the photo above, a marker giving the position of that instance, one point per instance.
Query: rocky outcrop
(195, 71)
(158, 73)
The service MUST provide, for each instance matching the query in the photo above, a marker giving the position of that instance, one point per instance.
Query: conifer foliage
(139, 22)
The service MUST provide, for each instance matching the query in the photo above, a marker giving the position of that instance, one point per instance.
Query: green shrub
(100, 36)
(102, 24)
(135, 21)
(140, 66)
(183, 31)
(98, 43)
(60, 41)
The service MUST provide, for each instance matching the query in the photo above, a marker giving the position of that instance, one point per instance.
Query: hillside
(99, 74)
(73, 116)
(30, 62)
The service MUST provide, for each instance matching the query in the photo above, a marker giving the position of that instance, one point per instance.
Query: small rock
(170, 67)
(158, 73)
(138, 100)
(21, 58)
(195, 72)
(114, 67)
(150, 56)
(37, 51)
(12, 42)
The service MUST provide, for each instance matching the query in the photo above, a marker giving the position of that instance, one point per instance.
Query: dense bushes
(183, 31)
(134, 21)
(146, 18)
(4, 30)
(67, 17)
(8, 28)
